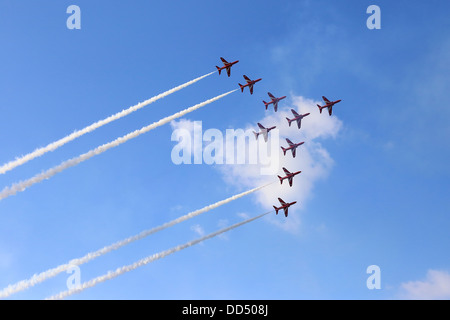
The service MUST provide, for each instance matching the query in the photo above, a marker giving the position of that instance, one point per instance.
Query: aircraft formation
(45, 175)
(264, 131)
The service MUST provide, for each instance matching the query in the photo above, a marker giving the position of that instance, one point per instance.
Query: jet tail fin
(284, 150)
(218, 69)
(266, 104)
(281, 179)
(320, 108)
(276, 209)
(242, 87)
(256, 134)
(289, 121)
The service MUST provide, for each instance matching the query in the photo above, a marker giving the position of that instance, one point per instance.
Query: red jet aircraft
(264, 131)
(292, 147)
(297, 117)
(328, 104)
(274, 101)
(249, 84)
(289, 176)
(284, 206)
(227, 65)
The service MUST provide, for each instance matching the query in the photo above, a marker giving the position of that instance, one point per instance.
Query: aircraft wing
(271, 95)
(225, 62)
(290, 181)
(294, 113)
(293, 152)
(251, 88)
(281, 201)
(289, 142)
(299, 123)
(325, 99)
(228, 71)
(247, 78)
(330, 110)
(275, 106)
(265, 135)
(286, 211)
(260, 126)
(286, 170)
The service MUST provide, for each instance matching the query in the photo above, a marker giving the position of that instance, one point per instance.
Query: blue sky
(383, 201)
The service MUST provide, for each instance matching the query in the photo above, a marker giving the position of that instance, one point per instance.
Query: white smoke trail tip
(21, 186)
(76, 134)
(38, 278)
(119, 271)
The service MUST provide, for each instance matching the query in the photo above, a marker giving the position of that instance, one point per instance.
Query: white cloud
(176, 208)
(198, 229)
(435, 286)
(222, 223)
(389, 145)
(243, 215)
(312, 158)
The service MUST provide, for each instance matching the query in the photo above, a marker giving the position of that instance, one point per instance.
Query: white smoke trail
(54, 145)
(38, 278)
(119, 271)
(21, 186)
